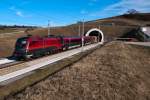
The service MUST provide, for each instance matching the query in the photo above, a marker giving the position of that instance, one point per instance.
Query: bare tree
(132, 11)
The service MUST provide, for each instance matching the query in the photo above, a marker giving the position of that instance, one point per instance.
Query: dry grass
(39, 75)
(10, 30)
(7, 42)
(123, 24)
(6, 31)
(139, 19)
(115, 72)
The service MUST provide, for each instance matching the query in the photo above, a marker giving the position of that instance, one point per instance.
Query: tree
(132, 11)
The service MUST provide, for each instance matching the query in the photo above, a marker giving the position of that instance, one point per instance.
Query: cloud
(92, 2)
(122, 6)
(17, 12)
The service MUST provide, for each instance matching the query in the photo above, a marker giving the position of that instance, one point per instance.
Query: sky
(64, 12)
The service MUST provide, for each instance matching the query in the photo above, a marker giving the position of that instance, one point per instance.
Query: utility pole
(48, 28)
(99, 34)
(82, 34)
(79, 30)
(99, 26)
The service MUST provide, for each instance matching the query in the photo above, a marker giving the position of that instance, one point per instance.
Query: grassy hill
(138, 19)
(112, 27)
(138, 16)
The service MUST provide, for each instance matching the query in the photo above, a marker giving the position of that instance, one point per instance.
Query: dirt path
(115, 72)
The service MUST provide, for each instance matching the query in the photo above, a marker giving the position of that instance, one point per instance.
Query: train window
(21, 43)
(24, 42)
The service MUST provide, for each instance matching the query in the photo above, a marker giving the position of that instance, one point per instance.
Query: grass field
(7, 41)
(11, 30)
(116, 71)
(8, 30)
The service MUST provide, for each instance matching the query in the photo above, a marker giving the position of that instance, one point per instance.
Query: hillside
(139, 19)
(111, 27)
(7, 41)
(138, 16)
(112, 72)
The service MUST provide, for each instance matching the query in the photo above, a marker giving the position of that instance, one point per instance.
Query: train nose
(18, 53)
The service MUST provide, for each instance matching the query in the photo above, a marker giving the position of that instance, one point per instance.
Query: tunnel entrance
(96, 32)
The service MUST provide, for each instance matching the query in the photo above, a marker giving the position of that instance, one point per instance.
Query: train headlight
(24, 42)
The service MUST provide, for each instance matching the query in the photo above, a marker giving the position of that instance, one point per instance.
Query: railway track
(6, 65)
(5, 61)
(28, 66)
(30, 72)
(10, 64)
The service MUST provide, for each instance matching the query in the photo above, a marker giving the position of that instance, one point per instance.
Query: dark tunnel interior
(96, 33)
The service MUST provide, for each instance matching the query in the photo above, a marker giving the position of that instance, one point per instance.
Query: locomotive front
(21, 48)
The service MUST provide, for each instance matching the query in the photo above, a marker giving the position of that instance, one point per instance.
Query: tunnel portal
(96, 32)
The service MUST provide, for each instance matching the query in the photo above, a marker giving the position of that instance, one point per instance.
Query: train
(34, 46)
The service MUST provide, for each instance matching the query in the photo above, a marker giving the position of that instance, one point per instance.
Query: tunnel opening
(96, 32)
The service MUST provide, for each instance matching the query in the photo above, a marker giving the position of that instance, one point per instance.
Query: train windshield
(21, 43)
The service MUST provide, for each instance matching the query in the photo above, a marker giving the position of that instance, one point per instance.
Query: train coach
(34, 46)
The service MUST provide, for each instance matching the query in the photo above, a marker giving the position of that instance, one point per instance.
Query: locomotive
(35, 46)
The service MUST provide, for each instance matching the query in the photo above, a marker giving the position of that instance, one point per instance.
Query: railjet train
(35, 46)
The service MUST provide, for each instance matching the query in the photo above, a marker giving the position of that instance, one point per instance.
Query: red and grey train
(34, 46)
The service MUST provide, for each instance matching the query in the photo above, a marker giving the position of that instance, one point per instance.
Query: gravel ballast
(116, 71)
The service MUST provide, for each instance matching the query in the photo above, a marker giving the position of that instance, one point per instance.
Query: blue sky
(63, 12)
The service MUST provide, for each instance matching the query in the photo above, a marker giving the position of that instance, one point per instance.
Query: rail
(50, 60)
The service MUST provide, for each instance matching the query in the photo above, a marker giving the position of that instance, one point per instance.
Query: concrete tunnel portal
(96, 32)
